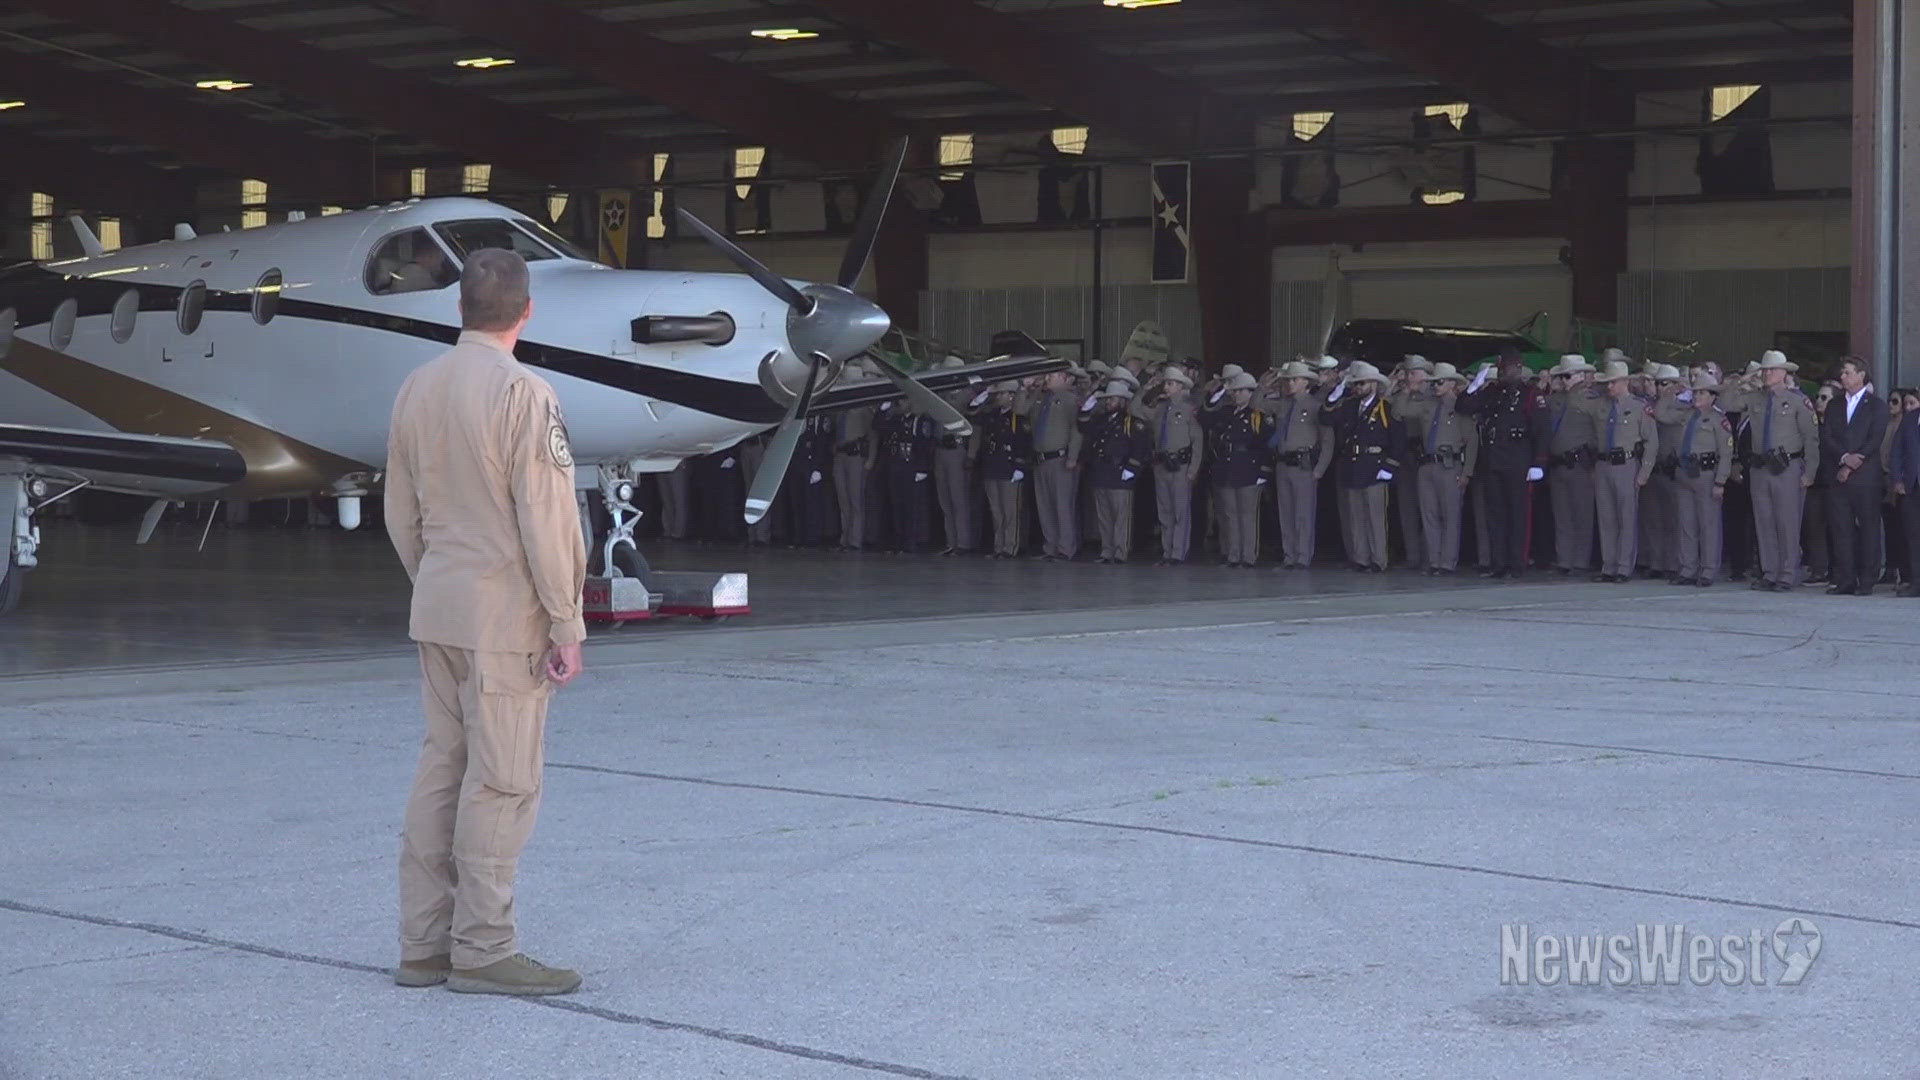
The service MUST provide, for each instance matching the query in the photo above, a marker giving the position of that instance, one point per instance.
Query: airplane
(264, 363)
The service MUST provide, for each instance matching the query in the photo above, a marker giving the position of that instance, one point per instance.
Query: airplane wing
(116, 461)
(1026, 358)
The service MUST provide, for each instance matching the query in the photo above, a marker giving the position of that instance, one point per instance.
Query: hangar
(993, 811)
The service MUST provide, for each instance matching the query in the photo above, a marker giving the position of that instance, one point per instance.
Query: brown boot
(429, 972)
(518, 974)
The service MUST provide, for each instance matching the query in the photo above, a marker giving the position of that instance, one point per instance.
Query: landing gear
(622, 588)
(19, 536)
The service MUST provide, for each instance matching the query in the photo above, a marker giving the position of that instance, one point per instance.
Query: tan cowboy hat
(1326, 363)
(1122, 374)
(1176, 373)
(1117, 389)
(1775, 360)
(1416, 362)
(1612, 371)
(1295, 369)
(1708, 383)
(1100, 367)
(1665, 373)
(1613, 354)
(1444, 371)
(1242, 381)
(1231, 370)
(1361, 371)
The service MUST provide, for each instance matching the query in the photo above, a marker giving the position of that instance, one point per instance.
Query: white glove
(885, 405)
(1019, 475)
(1216, 395)
(1262, 482)
(1087, 405)
(1383, 474)
(1479, 380)
(1536, 473)
(919, 477)
(1684, 395)
(1126, 474)
(979, 398)
(814, 478)
(1338, 390)
(727, 464)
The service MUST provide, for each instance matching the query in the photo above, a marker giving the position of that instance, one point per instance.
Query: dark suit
(1903, 467)
(1514, 435)
(1853, 506)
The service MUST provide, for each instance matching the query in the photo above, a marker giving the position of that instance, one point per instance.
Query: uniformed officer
(1513, 444)
(676, 500)
(480, 506)
(1115, 447)
(906, 455)
(1448, 443)
(1178, 440)
(803, 505)
(1660, 502)
(1703, 456)
(1367, 447)
(1411, 382)
(1786, 454)
(1056, 448)
(1570, 456)
(1303, 449)
(854, 452)
(753, 454)
(1238, 434)
(953, 479)
(1624, 460)
(1002, 446)
(1218, 400)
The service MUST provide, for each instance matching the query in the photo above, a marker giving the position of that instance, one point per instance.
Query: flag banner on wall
(1172, 248)
(616, 224)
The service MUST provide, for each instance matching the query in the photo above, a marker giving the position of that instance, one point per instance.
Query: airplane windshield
(467, 237)
(553, 239)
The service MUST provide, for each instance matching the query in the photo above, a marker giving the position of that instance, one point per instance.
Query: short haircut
(493, 290)
(1855, 362)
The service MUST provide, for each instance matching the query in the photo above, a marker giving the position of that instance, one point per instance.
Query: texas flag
(1172, 249)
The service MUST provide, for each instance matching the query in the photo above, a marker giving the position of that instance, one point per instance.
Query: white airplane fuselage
(317, 381)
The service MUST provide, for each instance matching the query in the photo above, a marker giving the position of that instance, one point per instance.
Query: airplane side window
(60, 332)
(8, 320)
(409, 261)
(467, 237)
(266, 297)
(193, 305)
(125, 311)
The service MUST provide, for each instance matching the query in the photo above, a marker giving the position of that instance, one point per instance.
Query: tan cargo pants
(474, 800)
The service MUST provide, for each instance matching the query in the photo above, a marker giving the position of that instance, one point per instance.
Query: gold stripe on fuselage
(277, 465)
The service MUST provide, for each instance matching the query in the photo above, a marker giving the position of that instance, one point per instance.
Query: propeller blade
(749, 265)
(1329, 301)
(773, 468)
(924, 399)
(866, 232)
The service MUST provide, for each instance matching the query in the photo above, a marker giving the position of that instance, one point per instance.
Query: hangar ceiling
(595, 85)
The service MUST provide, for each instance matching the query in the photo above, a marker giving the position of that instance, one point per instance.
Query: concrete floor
(1156, 833)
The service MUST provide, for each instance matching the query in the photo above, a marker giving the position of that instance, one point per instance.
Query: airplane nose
(840, 324)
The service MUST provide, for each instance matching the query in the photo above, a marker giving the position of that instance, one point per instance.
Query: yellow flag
(616, 224)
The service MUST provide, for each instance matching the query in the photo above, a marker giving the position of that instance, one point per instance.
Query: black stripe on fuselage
(35, 291)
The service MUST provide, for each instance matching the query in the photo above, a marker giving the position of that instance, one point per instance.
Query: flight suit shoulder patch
(559, 445)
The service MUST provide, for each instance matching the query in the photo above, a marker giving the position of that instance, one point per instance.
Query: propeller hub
(839, 324)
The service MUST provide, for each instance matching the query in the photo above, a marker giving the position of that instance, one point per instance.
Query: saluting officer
(1056, 448)
(1785, 457)
(1449, 443)
(1703, 457)
(1367, 447)
(1660, 503)
(1238, 433)
(1115, 450)
(854, 452)
(1625, 460)
(1412, 384)
(1570, 456)
(1303, 448)
(953, 479)
(1513, 433)
(906, 449)
(1178, 439)
(1002, 448)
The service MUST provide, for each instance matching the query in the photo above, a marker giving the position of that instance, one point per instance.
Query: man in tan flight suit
(480, 506)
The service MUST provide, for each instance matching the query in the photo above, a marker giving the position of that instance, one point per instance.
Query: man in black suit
(1851, 434)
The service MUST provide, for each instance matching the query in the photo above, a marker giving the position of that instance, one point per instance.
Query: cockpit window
(553, 239)
(467, 237)
(409, 261)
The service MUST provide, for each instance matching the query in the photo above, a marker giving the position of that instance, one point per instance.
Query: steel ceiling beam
(109, 184)
(788, 117)
(512, 137)
(222, 137)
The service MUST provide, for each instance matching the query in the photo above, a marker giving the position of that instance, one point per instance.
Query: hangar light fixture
(785, 33)
(1131, 4)
(482, 63)
(5, 105)
(221, 84)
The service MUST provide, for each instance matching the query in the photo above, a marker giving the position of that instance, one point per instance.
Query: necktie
(1166, 421)
(1286, 423)
(1613, 421)
(1686, 442)
(1433, 429)
(1766, 426)
(1040, 428)
(1559, 416)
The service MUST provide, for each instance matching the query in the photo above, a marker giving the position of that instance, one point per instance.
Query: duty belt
(1702, 461)
(1666, 465)
(1298, 459)
(1049, 455)
(1357, 451)
(1579, 456)
(1444, 455)
(1621, 457)
(1775, 461)
(853, 446)
(949, 442)
(1174, 459)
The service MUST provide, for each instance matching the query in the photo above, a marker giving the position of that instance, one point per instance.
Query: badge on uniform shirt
(557, 443)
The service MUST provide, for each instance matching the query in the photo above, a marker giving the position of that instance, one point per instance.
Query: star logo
(614, 214)
(1796, 942)
(1171, 215)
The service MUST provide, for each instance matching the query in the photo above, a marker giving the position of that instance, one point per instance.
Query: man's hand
(1852, 461)
(564, 664)
(1536, 473)
(1844, 474)
(1900, 489)
(1719, 492)
(1806, 481)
